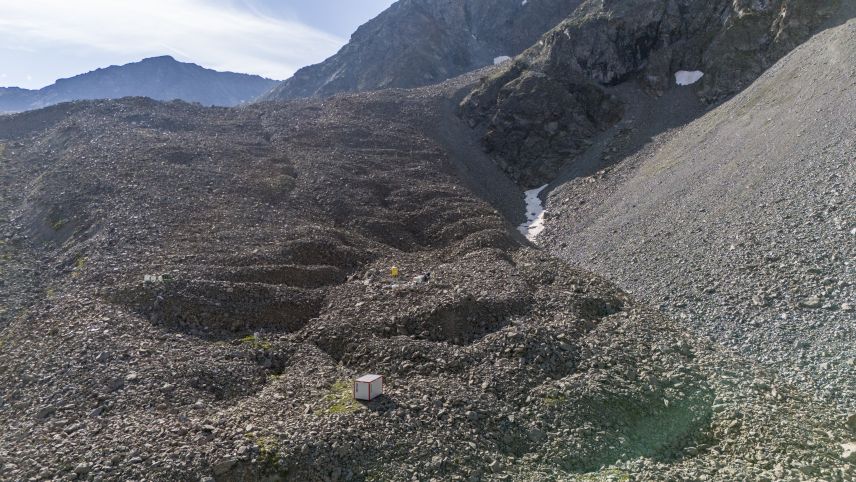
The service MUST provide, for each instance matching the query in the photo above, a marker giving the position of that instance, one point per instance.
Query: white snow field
(686, 77)
(534, 214)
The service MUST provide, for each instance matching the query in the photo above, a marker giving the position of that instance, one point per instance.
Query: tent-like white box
(368, 387)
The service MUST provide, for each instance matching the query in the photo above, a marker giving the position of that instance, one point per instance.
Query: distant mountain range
(161, 78)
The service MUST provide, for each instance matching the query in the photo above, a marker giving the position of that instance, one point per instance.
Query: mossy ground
(610, 474)
(79, 264)
(254, 343)
(339, 399)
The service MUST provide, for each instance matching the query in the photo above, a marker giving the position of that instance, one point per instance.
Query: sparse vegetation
(254, 343)
(268, 450)
(339, 399)
(79, 264)
(555, 400)
(269, 455)
(58, 224)
(611, 474)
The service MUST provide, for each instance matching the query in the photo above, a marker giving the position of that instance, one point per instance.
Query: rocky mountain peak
(422, 42)
(160, 78)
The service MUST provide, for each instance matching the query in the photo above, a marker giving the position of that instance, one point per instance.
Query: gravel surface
(741, 224)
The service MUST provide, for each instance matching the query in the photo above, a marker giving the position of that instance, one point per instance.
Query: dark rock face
(419, 42)
(160, 78)
(603, 44)
(536, 114)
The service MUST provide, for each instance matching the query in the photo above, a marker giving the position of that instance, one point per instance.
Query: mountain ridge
(640, 44)
(160, 78)
(418, 42)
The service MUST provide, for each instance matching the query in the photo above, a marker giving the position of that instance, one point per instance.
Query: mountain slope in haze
(160, 78)
(422, 42)
(743, 222)
(540, 112)
(270, 231)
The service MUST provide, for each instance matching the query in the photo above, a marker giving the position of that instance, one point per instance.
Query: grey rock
(811, 302)
(537, 435)
(848, 453)
(45, 412)
(115, 383)
(223, 467)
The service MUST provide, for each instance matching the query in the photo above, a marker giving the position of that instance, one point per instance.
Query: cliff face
(419, 42)
(606, 44)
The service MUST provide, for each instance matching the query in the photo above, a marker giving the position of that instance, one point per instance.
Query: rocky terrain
(161, 78)
(422, 42)
(187, 292)
(270, 231)
(742, 223)
(545, 109)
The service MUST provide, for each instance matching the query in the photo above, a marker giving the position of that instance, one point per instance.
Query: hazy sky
(43, 40)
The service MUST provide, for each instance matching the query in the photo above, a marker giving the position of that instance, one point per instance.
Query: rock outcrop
(542, 110)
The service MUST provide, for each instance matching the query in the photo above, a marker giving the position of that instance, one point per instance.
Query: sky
(44, 40)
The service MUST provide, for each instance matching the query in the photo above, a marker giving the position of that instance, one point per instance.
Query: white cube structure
(368, 387)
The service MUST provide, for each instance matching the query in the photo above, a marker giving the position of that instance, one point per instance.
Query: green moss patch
(611, 474)
(340, 399)
(254, 343)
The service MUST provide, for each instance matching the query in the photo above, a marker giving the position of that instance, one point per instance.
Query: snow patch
(686, 77)
(501, 59)
(534, 224)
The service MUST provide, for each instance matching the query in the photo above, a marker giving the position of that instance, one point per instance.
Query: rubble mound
(206, 314)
